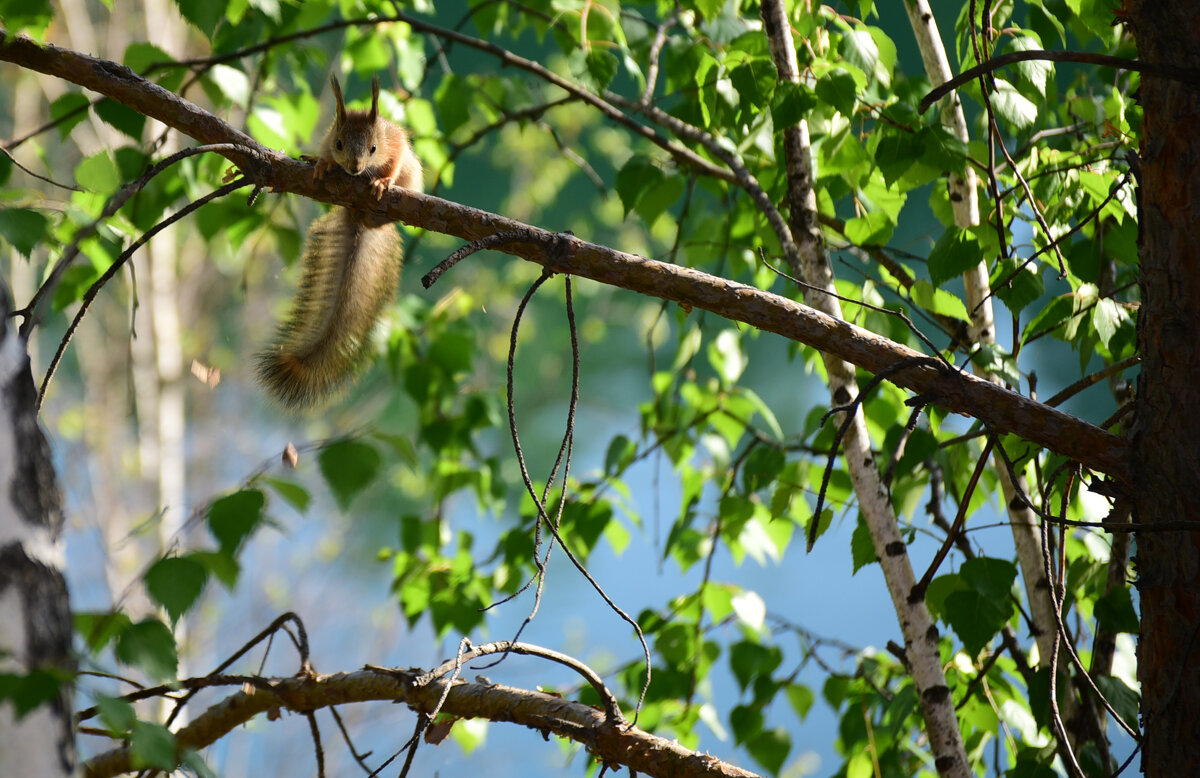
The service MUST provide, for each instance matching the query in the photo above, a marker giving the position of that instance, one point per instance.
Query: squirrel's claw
(323, 166)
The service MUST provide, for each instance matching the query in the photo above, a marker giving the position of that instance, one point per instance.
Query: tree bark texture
(35, 617)
(1166, 458)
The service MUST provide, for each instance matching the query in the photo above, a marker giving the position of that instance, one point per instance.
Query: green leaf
(233, 517)
(939, 589)
(938, 301)
(98, 173)
(860, 49)
(975, 618)
(453, 351)
(140, 55)
(1017, 286)
(750, 660)
(638, 175)
(176, 583)
(121, 117)
(1018, 109)
(956, 252)
(118, 715)
(790, 103)
(862, 548)
(1106, 318)
(595, 67)
(620, 454)
(453, 101)
(221, 564)
(205, 15)
(149, 645)
(295, 494)
(1036, 72)
(750, 609)
(99, 628)
(746, 722)
(152, 745)
(990, 577)
(30, 691)
(896, 153)
(755, 82)
(1115, 611)
(349, 467)
(645, 188)
(762, 468)
(839, 90)
(31, 16)
(977, 613)
(1058, 310)
(726, 356)
(73, 284)
(1123, 699)
(709, 9)
(860, 765)
(224, 84)
(770, 748)
(69, 110)
(801, 699)
(23, 228)
(872, 229)
(942, 149)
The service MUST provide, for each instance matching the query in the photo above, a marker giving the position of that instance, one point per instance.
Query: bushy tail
(350, 273)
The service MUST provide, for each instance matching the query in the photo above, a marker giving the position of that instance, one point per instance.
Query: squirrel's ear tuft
(374, 98)
(337, 94)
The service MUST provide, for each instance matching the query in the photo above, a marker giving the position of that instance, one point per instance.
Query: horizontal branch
(1080, 57)
(611, 742)
(1002, 410)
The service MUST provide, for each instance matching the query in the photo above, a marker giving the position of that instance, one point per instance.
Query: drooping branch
(612, 742)
(1002, 410)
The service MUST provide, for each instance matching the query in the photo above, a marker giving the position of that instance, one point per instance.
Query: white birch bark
(35, 617)
(916, 625)
(963, 192)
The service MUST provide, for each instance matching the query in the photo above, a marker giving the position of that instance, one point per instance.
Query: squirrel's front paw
(380, 186)
(323, 167)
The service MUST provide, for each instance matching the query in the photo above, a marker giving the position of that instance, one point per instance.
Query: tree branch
(1002, 410)
(610, 741)
(1083, 57)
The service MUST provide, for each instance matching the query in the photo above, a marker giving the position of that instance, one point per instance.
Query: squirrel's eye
(372, 149)
(339, 144)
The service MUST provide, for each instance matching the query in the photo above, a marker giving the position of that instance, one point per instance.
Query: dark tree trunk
(1167, 432)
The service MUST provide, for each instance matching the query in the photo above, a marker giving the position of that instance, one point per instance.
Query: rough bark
(612, 742)
(1166, 440)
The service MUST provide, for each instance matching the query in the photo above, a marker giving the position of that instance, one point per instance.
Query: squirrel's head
(356, 134)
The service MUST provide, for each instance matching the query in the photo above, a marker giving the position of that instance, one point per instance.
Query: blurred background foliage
(700, 443)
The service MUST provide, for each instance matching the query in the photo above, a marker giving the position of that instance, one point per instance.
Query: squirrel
(350, 270)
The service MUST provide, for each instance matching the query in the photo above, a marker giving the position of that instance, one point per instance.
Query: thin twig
(117, 264)
(38, 176)
(114, 204)
(1184, 75)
